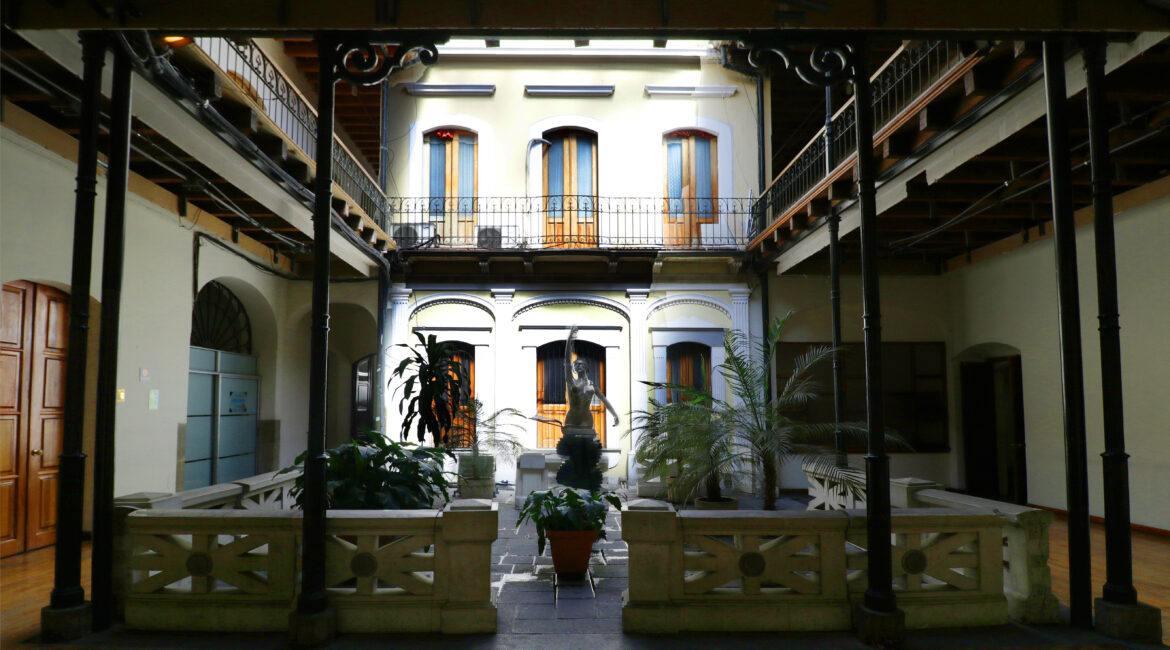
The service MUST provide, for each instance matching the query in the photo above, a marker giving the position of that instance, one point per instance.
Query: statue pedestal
(582, 452)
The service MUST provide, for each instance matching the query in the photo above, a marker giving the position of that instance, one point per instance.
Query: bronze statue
(579, 390)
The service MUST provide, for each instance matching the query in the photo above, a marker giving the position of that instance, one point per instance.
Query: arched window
(688, 364)
(570, 188)
(551, 401)
(219, 321)
(691, 185)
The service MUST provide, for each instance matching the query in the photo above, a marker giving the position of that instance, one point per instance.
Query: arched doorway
(992, 396)
(551, 402)
(223, 391)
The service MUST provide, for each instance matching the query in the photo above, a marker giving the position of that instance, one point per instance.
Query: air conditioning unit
(496, 237)
(410, 235)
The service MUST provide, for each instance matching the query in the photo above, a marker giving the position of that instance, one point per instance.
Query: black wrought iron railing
(541, 222)
(261, 80)
(907, 75)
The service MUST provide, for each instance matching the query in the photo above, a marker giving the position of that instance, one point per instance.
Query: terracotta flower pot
(725, 503)
(571, 550)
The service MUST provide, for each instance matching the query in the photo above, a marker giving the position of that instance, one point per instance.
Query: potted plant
(379, 474)
(572, 520)
(435, 387)
(491, 438)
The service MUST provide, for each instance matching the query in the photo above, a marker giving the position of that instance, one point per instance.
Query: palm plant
(440, 380)
(712, 438)
(493, 437)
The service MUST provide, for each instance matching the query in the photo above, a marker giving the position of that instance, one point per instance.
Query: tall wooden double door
(34, 338)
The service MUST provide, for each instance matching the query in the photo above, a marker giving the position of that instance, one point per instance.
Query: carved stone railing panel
(803, 570)
(237, 570)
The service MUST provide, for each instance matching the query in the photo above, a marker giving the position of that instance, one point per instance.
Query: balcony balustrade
(568, 222)
(263, 82)
(915, 71)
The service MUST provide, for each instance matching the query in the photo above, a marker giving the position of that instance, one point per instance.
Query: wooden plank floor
(26, 582)
(1151, 567)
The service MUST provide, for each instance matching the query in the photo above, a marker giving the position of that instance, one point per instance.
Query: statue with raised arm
(579, 390)
(579, 443)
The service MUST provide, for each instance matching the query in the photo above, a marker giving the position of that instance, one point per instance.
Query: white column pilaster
(399, 333)
(639, 393)
(740, 318)
(502, 350)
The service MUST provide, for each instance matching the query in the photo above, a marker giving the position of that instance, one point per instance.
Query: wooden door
(15, 340)
(690, 186)
(32, 383)
(570, 190)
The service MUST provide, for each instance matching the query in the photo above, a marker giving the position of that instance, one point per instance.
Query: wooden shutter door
(46, 412)
(16, 309)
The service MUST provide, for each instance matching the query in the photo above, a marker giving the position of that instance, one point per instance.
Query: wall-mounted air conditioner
(410, 235)
(497, 237)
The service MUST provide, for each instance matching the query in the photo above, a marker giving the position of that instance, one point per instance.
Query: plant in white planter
(493, 439)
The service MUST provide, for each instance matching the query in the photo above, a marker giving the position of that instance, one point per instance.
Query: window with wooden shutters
(688, 364)
(570, 189)
(551, 402)
(453, 182)
(691, 186)
(462, 432)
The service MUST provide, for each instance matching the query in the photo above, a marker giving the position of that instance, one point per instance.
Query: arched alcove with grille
(219, 321)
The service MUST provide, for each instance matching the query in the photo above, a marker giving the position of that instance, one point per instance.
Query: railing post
(1072, 380)
(469, 526)
(654, 535)
(112, 262)
(1118, 613)
(69, 615)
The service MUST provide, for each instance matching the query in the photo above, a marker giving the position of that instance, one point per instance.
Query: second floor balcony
(568, 222)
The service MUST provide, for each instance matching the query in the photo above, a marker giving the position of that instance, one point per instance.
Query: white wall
(36, 234)
(1012, 299)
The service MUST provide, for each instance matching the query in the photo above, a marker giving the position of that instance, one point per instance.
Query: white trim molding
(684, 299)
(691, 92)
(449, 90)
(579, 90)
(452, 299)
(573, 299)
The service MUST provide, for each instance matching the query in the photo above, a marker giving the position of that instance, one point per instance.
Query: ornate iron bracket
(364, 61)
(827, 64)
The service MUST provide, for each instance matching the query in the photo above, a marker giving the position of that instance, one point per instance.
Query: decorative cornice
(670, 301)
(582, 90)
(592, 301)
(694, 92)
(464, 299)
(450, 90)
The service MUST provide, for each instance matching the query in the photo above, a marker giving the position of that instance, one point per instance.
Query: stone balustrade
(1026, 576)
(237, 570)
(268, 491)
(790, 571)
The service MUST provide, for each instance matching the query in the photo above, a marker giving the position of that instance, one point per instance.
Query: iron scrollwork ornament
(363, 62)
(828, 64)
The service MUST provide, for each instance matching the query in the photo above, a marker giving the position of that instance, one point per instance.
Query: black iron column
(357, 60)
(835, 289)
(835, 303)
(107, 383)
(879, 594)
(67, 604)
(1072, 377)
(312, 600)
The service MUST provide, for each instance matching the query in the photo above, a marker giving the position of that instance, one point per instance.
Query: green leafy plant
(714, 438)
(493, 438)
(436, 386)
(379, 474)
(566, 508)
